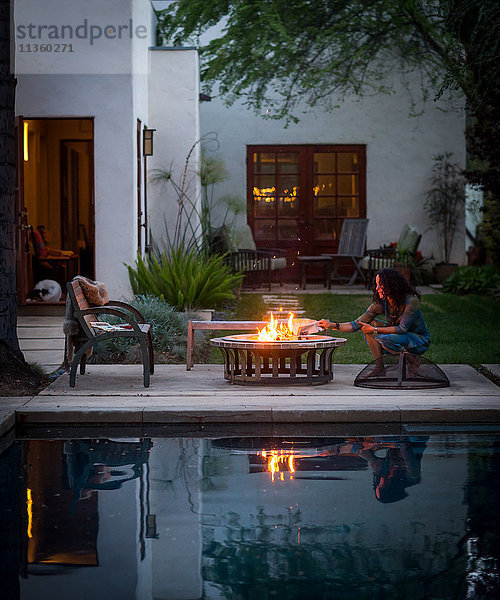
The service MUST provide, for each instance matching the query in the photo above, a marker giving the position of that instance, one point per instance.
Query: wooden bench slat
(214, 326)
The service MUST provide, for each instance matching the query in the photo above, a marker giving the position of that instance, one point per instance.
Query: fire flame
(277, 331)
(275, 459)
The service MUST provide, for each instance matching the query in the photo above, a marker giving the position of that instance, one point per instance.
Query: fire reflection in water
(275, 460)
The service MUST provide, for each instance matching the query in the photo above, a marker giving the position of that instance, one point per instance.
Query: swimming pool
(252, 518)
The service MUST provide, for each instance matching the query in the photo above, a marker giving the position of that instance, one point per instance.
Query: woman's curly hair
(395, 285)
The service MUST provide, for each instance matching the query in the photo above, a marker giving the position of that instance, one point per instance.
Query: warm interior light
(29, 509)
(147, 141)
(267, 194)
(25, 141)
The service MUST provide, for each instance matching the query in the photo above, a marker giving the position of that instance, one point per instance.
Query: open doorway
(55, 196)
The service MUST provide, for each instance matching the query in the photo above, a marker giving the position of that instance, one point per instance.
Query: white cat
(47, 290)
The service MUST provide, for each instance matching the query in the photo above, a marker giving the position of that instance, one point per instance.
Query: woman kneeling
(393, 322)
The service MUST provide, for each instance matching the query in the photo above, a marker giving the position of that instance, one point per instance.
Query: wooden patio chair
(85, 336)
(351, 248)
(258, 264)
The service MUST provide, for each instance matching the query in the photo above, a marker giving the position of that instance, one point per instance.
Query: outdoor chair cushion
(375, 259)
(250, 263)
(376, 263)
(408, 240)
(243, 239)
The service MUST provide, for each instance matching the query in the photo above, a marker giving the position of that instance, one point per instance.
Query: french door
(299, 195)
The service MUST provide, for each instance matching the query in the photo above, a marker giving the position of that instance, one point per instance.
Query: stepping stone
(288, 303)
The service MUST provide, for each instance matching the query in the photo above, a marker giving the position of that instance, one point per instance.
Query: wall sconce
(147, 141)
(25, 141)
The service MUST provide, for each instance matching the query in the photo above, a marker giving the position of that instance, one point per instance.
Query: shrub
(445, 200)
(474, 280)
(169, 330)
(186, 279)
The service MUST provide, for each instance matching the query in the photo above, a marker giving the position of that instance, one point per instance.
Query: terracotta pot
(443, 270)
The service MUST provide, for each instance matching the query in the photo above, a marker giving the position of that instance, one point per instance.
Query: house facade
(90, 86)
(366, 158)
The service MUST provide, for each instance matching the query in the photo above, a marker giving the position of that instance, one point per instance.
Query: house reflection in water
(74, 517)
(186, 518)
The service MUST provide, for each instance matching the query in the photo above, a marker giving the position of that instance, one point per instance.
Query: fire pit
(289, 357)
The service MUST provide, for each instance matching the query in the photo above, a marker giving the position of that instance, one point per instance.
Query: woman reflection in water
(393, 321)
(396, 465)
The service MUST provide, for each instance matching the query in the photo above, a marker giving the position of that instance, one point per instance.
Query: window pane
(348, 184)
(347, 162)
(264, 162)
(325, 229)
(324, 206)
(288, 185)
(288, 206)
(263, 195)
(288, 195)
(264, 206)
(348, 207)
(264, 229)
(264, 185)
(324, 162)
(288, 162)
(324, 185)
(288, 230)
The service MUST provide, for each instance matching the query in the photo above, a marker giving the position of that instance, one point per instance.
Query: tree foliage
(279, 55)
(273, 53)
(474, 27)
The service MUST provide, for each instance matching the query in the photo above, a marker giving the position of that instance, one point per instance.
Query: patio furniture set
(246, 360)
(259, 264)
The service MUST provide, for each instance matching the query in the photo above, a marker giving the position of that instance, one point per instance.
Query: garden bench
(216, 325)
(82, 337)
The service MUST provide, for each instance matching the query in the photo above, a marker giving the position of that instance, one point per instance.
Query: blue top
(407, 320)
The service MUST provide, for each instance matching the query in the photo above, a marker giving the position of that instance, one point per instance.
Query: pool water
(251, 518)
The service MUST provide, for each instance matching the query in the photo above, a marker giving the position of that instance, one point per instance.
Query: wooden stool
(304, 261)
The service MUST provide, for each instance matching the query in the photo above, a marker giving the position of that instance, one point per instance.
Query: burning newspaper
(306, 327)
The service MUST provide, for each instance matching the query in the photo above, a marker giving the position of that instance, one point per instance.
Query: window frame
(307, 242)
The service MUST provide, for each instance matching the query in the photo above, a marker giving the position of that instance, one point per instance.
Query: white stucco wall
(109, 82)
(109, 101)
(174, 113)
(398, 159)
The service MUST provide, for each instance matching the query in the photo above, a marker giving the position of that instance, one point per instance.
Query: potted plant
(445, 207)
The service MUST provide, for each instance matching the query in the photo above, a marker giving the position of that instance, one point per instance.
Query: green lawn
(464, 329)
